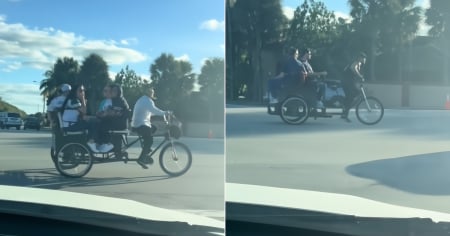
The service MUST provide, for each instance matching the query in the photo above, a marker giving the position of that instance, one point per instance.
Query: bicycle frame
(139, 139)
(167, 138)
(363, 92)
(362, 96)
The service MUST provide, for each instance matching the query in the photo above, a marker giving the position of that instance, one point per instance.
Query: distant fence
(203, 130)
(415, 96)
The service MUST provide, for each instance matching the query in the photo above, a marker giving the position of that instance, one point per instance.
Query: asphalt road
(403, 160)
(25, 161)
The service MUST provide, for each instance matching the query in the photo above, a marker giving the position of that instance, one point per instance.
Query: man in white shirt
(57, 102)
(143, 110)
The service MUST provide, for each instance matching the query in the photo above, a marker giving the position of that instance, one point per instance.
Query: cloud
(12, 66)
(128, 41)
(184, 57)
(343, 15)
(24, 96)
(203, 61)
(423, 26)
(145, 77)
(222, 46)
(213, 25)
(425, 4)
(288, 12)
(112, 74)
(39, 48)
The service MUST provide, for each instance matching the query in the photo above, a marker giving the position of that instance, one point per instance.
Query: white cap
(65, 88)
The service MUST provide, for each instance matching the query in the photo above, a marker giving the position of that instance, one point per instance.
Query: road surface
(25, 161)
(403, 160)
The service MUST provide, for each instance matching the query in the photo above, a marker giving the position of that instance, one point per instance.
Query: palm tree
(65, 70)
(94, 76)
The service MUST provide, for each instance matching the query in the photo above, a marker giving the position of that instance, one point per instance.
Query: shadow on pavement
(428, 124)
(49, 178)
(427, 174)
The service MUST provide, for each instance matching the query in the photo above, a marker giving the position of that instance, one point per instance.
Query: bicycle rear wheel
(53, 154)
(74, 160)
(175, 159)
(369, 111)
(294, 110)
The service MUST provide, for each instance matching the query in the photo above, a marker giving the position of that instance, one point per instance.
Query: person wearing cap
(143, 110)
(57, 102)
(351, 82)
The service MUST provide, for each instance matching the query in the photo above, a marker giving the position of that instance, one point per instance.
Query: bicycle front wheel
(175, 159)
(74, 160)
(369, 111)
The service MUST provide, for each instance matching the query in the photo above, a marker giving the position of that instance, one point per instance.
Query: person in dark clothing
(294, 71)
(310, 81)
(351, 82)
(114, 117)
(288, 72)
(120, 107)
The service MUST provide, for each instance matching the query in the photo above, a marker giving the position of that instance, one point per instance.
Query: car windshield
(347, 97)
(14, 115)
(107, 67)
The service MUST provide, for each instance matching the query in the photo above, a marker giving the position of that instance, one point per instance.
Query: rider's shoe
(148, 160)
(272, 100)
(92, 146)
(141, 162)
(319, 105)
(105, 147)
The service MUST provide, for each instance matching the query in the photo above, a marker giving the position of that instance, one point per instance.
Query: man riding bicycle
(143, 110)
(351, 82)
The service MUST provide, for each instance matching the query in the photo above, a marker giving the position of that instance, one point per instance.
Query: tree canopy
(384, 30)
(172, 79)
(94, 76)
(131, 84)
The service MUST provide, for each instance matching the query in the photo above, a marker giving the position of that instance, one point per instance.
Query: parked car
(32, 123)
(11, 119)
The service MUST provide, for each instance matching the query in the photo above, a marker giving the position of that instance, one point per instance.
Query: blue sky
(34, 33)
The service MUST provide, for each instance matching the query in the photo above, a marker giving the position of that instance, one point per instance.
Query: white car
(10, 119)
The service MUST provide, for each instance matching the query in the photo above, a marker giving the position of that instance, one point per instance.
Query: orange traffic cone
(447, 103)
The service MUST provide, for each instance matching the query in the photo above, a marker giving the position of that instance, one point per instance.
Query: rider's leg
(351, 91)
(274, 85)
(146, 133)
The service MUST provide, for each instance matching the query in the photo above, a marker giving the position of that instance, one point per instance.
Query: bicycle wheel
(74, 160)
(53, 154)
(175, 159)
(294, 110)
(369, 111)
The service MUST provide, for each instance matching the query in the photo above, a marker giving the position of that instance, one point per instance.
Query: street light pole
(43, 100)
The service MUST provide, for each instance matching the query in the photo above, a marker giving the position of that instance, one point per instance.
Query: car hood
(326, 211)
(64, 205)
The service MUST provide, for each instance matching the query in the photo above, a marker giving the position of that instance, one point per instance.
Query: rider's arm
(356, 70)
(154, 110)
(279, 76)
